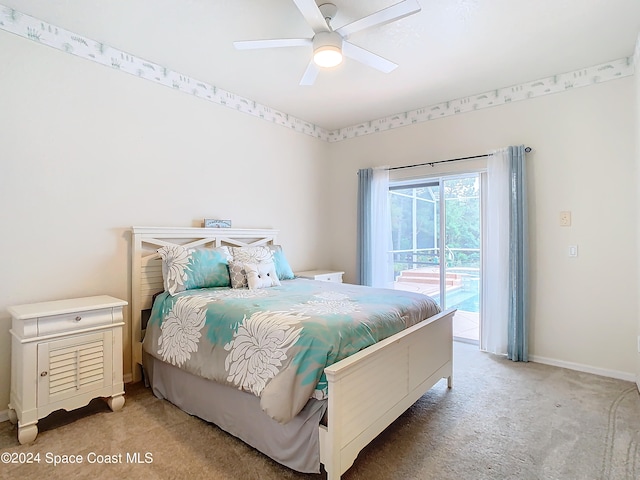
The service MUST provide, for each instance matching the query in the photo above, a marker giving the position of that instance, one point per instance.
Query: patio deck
(466, 325)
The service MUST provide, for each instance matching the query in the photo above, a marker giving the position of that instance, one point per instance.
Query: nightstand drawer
(323, 275)
(330, 277)
(74, 321)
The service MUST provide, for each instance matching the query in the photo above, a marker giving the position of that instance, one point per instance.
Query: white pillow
(261, 275)
(258, 254)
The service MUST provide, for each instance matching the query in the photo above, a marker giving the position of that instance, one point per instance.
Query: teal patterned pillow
(187, 269)
(283, 269)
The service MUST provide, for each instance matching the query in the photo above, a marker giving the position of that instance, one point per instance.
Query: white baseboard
(603, 372)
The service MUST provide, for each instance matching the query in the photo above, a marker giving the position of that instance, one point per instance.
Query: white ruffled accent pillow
(261, 275)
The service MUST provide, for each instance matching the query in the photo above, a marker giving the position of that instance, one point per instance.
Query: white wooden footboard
(370, 389)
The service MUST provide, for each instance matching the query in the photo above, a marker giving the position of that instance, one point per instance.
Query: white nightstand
(325, 275)
(64, 354)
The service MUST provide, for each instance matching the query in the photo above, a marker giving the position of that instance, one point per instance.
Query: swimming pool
(462, 299)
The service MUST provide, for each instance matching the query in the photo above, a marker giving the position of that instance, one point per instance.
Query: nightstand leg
(116, 402)
(27, 434)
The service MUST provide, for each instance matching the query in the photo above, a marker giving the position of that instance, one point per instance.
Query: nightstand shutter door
(73, 366)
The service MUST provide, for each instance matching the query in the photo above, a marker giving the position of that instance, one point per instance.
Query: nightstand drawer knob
(44, 374)
(77, 319)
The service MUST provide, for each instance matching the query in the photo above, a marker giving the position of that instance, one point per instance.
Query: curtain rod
(431, 164)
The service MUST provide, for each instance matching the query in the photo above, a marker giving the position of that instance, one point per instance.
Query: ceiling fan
(330, 45)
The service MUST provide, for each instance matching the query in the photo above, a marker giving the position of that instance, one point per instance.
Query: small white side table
(324, 275)
(64, 354)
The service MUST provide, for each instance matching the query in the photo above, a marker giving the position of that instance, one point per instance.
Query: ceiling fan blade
(272, 43)
(365, 56)
(312, 15)
(310, 74)
(387, 15)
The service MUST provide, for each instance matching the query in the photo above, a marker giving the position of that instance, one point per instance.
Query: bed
(340, 410)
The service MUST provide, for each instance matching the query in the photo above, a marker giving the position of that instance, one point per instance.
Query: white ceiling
(451, 49)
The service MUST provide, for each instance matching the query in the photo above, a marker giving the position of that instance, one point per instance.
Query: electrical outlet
(573, 250)
(565, 219)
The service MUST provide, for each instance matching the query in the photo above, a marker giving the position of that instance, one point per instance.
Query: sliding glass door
(444, 266)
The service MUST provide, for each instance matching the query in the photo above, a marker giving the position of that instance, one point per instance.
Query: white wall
(86, 152)
(583, 310)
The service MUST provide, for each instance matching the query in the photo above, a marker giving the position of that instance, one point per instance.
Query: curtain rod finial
(528, 149)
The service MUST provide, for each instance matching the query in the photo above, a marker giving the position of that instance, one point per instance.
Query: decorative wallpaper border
(537, 88)
(36, 30)
(31, 28)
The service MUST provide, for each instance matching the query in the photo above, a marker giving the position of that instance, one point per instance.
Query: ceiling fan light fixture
(327, 49)
(328, 45)
(327, 57)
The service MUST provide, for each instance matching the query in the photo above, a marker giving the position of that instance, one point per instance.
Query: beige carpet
(502, 420)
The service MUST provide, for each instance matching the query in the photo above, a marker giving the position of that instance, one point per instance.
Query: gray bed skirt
(295, 444)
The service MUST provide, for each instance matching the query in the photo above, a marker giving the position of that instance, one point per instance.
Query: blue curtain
(364, 271)
(518, 328)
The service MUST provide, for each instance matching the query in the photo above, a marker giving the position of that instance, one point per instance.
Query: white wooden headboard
(146, 267)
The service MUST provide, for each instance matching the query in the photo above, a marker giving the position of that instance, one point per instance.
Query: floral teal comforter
(275, 342)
